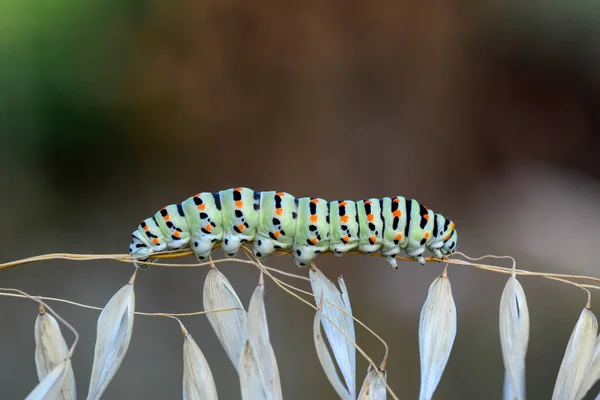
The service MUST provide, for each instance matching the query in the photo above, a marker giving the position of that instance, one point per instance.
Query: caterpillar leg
(393, 262)
(263, 247)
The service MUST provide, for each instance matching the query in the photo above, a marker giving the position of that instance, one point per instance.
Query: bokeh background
(488, 112)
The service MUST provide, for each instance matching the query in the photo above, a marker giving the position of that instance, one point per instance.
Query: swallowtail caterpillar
(305, 226)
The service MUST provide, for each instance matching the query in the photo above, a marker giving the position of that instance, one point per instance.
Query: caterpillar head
(451, 243)
(139, 247)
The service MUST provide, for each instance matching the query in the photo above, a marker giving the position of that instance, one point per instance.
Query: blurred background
(488, 112)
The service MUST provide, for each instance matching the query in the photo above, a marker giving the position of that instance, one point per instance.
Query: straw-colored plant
(244, 334)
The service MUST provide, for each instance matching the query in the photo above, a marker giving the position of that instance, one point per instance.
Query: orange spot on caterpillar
(368, 202)
(370, 217)
(373, 239)
(176, 233)
(314, 201)
(452, 226)
(343, 204)
(241, 227)
(277, 234)
(396, 200)
(279, 211)
(201, 207)
(280, 194)
(397, 213)
(167, 217)
(208, 227)
(314, 240)
(146, 227)
(239, 204)
(155, 241)
(426, 235)
(345, 239)
(344, 219)
(239, 189)
(398, 236)
(426, 216)
(447, 237)
(314, 218)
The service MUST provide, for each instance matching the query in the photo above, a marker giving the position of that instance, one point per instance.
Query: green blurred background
(488, 112)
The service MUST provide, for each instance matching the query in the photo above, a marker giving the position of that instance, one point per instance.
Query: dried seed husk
(373, 387)
(50, 351)
(437, 330)
(198, 381)
(577, 356)
(514, 337)
(343, 349)
(326, 360)
(51, 386)
(250, 381)
(113, 334)
(592, 373)
(229, 326)
(258, 336)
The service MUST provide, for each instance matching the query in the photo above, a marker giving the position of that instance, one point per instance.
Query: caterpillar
(305, 226)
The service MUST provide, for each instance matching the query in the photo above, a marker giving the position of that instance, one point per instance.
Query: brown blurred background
(488, 112)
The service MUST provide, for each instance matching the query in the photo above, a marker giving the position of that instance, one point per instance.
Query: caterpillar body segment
(171, 221)
(419, 230)
(205, 222)
(370, 225)
(277, 223)
(394, 237)
(306, 226)
(240, 218)
(312, 230)
(343, 225)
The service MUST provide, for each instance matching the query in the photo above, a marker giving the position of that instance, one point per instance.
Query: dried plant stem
(46, 307)
(284, 286)
(281, 284)
(74, 303)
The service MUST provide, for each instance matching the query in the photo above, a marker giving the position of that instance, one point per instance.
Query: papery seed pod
(592, 374)
(437, 330)
(230, 326)
(326, 360)
(50, 351)
(577, 356)
(514, 337)
(198, 381)
(251, 383)
(343, 349)
(113, 334)
(373, 387)
(258, 337)
(51, 386)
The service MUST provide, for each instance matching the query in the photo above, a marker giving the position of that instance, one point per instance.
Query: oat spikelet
(592, 373)
(326, 360)
(437, 330)
(343, 350)
(258, 338)
(514, 338)
(50, 351)
(373, 387)
(198, 381)
(230, 326)
(113, 334)
(577, 356)
(51, 386)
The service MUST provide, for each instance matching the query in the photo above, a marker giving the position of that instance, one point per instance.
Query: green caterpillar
(306, 226)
